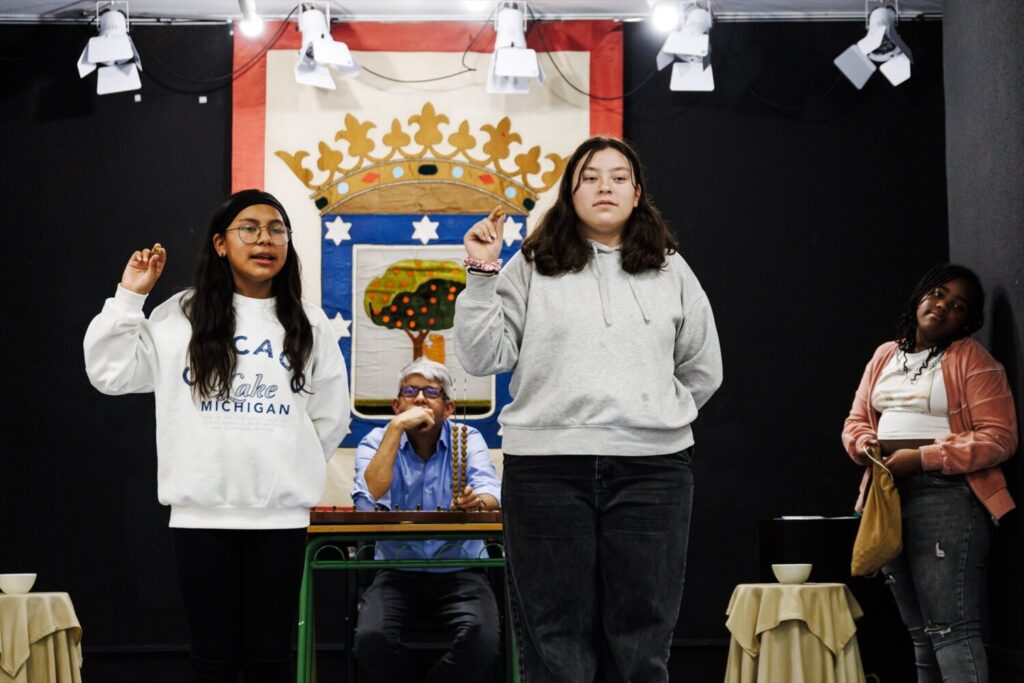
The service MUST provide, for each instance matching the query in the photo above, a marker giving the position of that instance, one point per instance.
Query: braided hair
(906, 326)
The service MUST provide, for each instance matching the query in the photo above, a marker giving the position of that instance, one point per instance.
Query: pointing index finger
(497, 222)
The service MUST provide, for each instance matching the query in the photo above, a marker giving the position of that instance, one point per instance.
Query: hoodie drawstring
(602, 289)
(639, 299)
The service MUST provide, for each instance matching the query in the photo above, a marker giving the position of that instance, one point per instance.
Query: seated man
(408, 465)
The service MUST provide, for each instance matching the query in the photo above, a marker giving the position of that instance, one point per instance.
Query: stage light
(251, 24)
(883, 45)
(320, 52)
(690, 43)
(512, 64)
(112, 52)
(665, 16)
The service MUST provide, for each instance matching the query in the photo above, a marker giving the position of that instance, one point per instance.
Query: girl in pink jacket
(938, 408)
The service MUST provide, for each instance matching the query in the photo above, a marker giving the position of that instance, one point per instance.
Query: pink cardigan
(981, 415)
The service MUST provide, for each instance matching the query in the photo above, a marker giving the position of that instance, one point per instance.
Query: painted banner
(382, 179)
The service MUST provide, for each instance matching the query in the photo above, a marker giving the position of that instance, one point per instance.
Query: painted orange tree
(417, 297)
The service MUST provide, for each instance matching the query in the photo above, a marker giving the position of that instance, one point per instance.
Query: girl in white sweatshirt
(613, 349)
(251, 401)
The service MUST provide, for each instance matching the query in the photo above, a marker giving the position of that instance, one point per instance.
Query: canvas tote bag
(880, 535)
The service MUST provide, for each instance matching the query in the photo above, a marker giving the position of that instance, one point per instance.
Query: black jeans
(462, 600)
(597, 554)
(241, 594)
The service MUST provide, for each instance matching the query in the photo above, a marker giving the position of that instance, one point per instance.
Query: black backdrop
(806, 208)
(86, 180)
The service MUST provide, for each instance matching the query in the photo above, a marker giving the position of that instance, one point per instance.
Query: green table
(329, 547)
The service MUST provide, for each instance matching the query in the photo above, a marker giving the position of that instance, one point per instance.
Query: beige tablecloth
(40, 639)
(793, 634)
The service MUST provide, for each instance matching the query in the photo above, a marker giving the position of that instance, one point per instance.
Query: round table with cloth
(784, 633)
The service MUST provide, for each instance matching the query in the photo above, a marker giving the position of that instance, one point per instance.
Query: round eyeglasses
(250, 233)
(409, 391)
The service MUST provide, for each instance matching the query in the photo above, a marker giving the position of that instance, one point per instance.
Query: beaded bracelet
(482, 266)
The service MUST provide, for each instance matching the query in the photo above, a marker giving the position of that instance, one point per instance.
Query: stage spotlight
(665, 16)
(320, 51)
(251, 24)
(512, 64)
(113, 52)
(883, 45)
(690, 43)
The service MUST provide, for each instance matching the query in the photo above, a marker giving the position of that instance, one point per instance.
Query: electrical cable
(537, 22)
(465, 67)
(225, 79)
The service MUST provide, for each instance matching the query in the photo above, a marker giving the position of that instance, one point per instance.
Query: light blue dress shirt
(427, 483)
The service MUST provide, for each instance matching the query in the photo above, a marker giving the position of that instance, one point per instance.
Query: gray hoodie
(603, 362)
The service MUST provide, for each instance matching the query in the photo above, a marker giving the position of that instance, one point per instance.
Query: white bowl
(14, 584)
(791, 573)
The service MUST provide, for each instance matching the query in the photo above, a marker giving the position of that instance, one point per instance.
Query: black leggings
(240, 590)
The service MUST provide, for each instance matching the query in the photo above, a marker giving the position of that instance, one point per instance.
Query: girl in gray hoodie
(613, 349)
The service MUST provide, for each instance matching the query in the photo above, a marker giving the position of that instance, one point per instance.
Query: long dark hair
(209, 307)
(940, 274)
(558, 246)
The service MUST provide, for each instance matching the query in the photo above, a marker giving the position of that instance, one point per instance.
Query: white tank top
(911, 407)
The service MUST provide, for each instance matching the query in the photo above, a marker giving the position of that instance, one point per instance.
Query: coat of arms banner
(383, 176)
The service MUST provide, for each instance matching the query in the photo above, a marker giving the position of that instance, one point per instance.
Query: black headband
(242, 200)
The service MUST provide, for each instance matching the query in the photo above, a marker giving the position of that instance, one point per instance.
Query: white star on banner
(426, 230)
(512, 233)
(337, 231)
(341, 326)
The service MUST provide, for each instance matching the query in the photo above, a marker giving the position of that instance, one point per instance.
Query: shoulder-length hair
(558, 245)
(940, 274)
(209, 307)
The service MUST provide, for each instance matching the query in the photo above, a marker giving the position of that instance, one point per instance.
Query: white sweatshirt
(255, 461)
(603, 362)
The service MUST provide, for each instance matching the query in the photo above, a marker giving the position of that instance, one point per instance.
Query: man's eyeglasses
(250, 233)
(409, 391)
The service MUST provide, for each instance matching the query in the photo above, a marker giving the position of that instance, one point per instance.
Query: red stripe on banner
(603, 39)
(606, 81)
(249, 105)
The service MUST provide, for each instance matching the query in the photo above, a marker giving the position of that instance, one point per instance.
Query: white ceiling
(448, 10)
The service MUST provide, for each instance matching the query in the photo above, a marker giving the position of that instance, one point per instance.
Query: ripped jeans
(939, 578)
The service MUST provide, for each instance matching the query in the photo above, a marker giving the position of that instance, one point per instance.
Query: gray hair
(435, 372)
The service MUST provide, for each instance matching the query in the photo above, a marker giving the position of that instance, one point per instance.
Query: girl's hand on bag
(870, 449)
(144, 269)
(904, 462)
(483, 240)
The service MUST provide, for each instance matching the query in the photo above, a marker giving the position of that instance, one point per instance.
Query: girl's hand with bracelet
(144, 269)
(483, 241)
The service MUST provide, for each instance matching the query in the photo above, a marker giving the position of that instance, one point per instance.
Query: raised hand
(483, 240)
(144, 269)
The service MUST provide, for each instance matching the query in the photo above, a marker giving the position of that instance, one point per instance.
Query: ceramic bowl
(13, 584)
(791, 573)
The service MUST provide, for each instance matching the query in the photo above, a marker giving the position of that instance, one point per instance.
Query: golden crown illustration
(428, 179)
